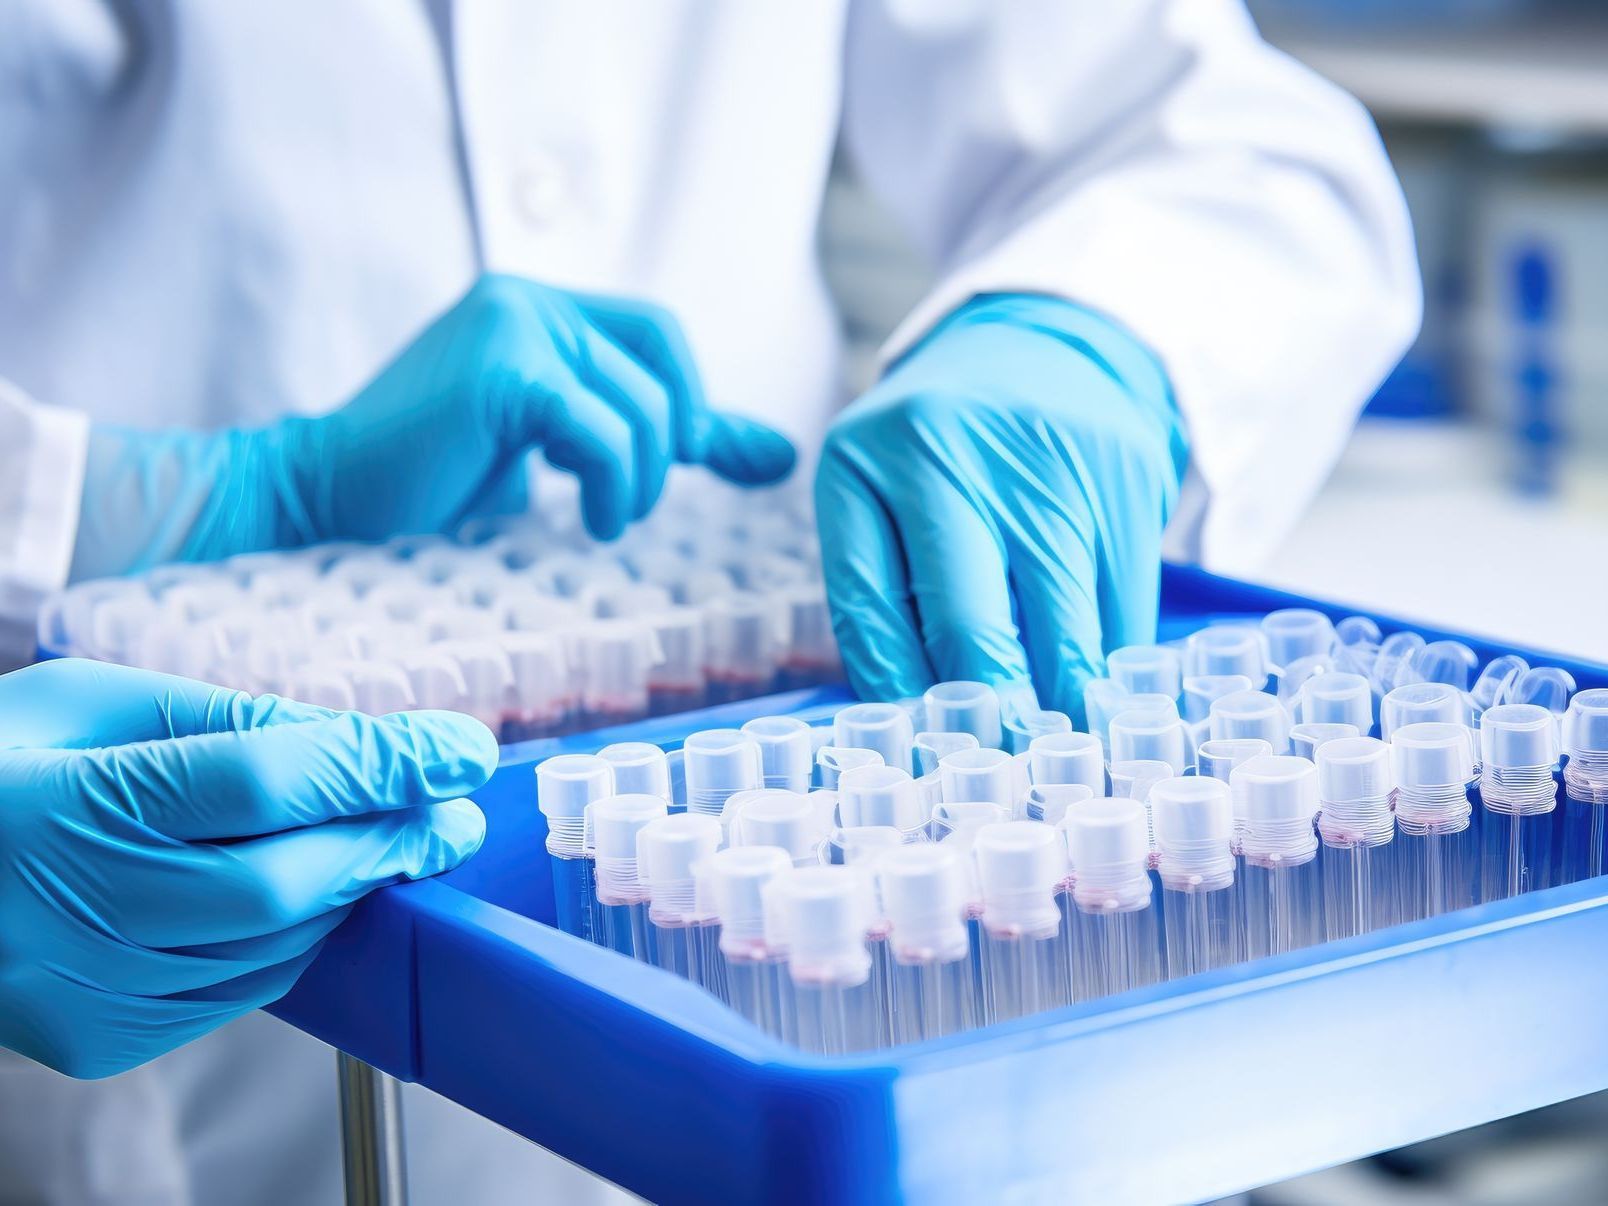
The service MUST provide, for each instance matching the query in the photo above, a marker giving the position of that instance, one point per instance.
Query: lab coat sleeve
(42, 456)
(1161, 163)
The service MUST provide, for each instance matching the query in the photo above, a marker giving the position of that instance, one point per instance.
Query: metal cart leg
(371, 1135)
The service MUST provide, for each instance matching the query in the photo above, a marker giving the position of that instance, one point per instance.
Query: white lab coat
(213, 214)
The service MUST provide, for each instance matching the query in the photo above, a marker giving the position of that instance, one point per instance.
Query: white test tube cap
(640, 768)
(730, 885)
(1108, 842)
(1354, 768)
(824, 913)
(1201, 689)
(1275, 801)
(1293, 633)
(1194, 822)
(883, 727)
(1585, 724)
(1431, 754)
(1250, 714)
(924, 890)
(1421, 703)
(1217, 759)
(668, 848)
(486, 673)
(1048, 802)
(1059, 758)
(786, 750)
(565, 785)
(774, 816)
(747, 635)
(981, 774)
(963, 707)
(1336, 698)
(716, 763)
(1150, 735)
(540, 669)
(1307, 739)
(1147, 669)
(931, 748)
(880, 795)
(1228, 649)
(612, 825)
(1519, 736)
(615, 658)
(1019, 865)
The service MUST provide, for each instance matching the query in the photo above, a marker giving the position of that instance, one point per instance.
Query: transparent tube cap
(1432, 754)
(1201, 689)
(1355, 783)
(1519, 736)
(1228, 649)
(1133, 779)
(1450, 662)
(1193, 820)
(615, 658)
(1025, 725)
(1336, 698)
(640, 768)
(565, 785)
(1421, 703)
(1108, 841)
(771, 816)
(1275, 803)
(931, 748)
(963, 707)
(1068, 758)
(680, 633)
(730, 885)
(883, 727)
(667, 851)
(1585, 740)
(835, 762)
(613, 824)
(1392, 665)
(984, 775)
(1250, 714)
(924, 895)
(1019, 865)
(821, 915)
(880, 795)
(378, 688)
(786, 751)
(716, 763)
(1306, 739)
(1103, 698)
(1048, 802)
(1295, 633)
(1150, 735)
(746, 636)
(1147, 669)
(540, 670)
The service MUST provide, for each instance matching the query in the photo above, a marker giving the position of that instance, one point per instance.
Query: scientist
(1170, 265)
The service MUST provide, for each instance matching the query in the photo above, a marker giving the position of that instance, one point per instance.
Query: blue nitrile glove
(172, 854)
(605, 387)
(993, 508)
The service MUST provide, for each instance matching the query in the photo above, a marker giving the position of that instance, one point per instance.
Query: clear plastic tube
(980, 775)
(1202, 914)
(882, 727)
(931, 988)
(731, 886)
(1275, 803)
(1306, 738)
(717, 763)
(773, 816)
(1251, 714)
(1066, 758)
(622, 902)
(1024, 725)
(834, 762)
(1228, 649)
(682, 938)
(1438, 847)
(1217, 759)
(881, 796)
(1115, 943)
(1421, 703)
(1294, 633)
(1147, 669)
(1585, 780)
(1201, 689)
(1023, 954)
(824, 913)
(786, 751)
(931, 748)
(1519, 746)
(1361, 871)
(1151, 736)
(565, 786)
(640, 768)
(963, 707)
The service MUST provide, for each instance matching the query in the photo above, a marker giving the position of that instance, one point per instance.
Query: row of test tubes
(913, 870)
(533, 629)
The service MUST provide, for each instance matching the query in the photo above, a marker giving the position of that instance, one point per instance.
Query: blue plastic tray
(1181, 1092)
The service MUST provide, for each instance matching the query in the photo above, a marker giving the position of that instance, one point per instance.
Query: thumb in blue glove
(172, 855)
(605, 387)
(993, 508)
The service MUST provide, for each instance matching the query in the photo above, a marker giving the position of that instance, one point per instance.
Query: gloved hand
(993, 508)
(173, 854)
(604, 386)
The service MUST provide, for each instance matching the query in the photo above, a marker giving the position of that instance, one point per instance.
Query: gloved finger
(745, 451)
(72, 703)
(867, 583)
(1129, 582)
(230, 785)
(215, 894)
(642, 402)
(655, 339)
(590, 439)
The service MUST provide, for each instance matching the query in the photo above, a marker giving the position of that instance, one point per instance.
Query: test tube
(640, 768)
(1201, 910)
(964, 707)
(614, 659)
(678, 682)
(1023, 726)
(1305, 739)
(924, 893)
(1228, 649)
(786, 751)
(717, 763)
(833, 762)
(1585, 781)
(1048, 802)
(1217, 759)
(1147, 669)
(1361, 872)
(732, 884)
(565, 785)
(1393, 663)
(1421, 703)
(1449, 662)
(1275, 801)
(1201, 689)
(622, 901)
(824, 913)
(1431, 764)
(746, 637)
(541, 684)
(1546, 686)
(1024, 954)
(487, 676)
(1519, 753)
(681, 937)
(979, 775)
(774, 816)
(1337, 698)
(1068, 758)
(322, 688)
(881, 796)
(812, 656)
(1115, 942)
(1251, 714)
(1295, 633)
(933, 747)
(882, 727)
(1496, 680)
(1151, 736)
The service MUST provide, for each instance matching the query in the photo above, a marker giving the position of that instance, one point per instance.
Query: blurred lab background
(1475, 490)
